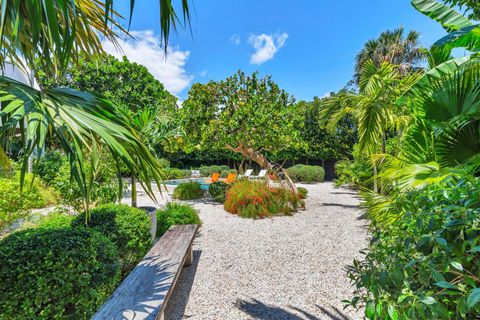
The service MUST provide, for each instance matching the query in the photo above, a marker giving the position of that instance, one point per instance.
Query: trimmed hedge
(207, 171)
(217, 191)
(188, 191)
(174, 173)
(306, 173)
(128, 228)
(175, 213)
(56, 273)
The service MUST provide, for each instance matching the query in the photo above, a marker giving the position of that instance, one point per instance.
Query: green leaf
(449, 18)
(457, 265)
(392, 313)
(370, 310)
(429, 300)
(473, 298)
(445, 285)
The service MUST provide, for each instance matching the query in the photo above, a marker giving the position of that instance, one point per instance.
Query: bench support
(189, 257)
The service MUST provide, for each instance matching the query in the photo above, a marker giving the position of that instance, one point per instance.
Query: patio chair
(261, 175)
(231, 178)
(215, 177)
(247, 174)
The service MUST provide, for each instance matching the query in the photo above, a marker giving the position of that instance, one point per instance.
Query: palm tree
(50, 35)
(391, 46)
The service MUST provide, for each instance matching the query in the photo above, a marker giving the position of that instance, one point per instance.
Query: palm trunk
(134, 191)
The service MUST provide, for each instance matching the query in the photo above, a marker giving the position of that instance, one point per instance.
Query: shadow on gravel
(259, 310)
(335, 315)
(345, 192)
(178, 301)
(346, 206)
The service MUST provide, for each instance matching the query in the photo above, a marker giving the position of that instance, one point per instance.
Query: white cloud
(235, 39)
(203, 73)
(266, 46)
(145, 49)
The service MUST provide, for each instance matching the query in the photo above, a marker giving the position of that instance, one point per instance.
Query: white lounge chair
(247, 174)
(262, 174)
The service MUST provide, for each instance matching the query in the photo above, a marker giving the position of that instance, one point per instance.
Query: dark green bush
(48, 166)
(175, 213)
(188, 191)
(217, 191)
(302, 192)
(128, 228)
(56, 273)
(306, 173)
(225, 173)
(425, 262)
(207, 171)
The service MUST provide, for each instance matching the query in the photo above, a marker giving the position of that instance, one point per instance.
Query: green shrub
(174, 173)
(353, 173)
(217, 191)
(225, 173)
(302, 192)
(128, 228)
(55, 220)
(104, 187)
(48, 166)
(306, 173)
(424, 263)
(207, 171)
(55, 273)
(254, 199)
(15, 205)
(175, 213)
(188, 191)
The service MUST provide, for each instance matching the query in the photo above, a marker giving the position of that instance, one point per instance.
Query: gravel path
(278, 268)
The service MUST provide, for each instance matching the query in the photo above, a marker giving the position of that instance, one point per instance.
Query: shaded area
(346, 206)
(179, 298)
(259, 310)
(335, 315)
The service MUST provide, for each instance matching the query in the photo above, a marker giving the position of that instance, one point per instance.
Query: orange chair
(231, 177)
(215, 177)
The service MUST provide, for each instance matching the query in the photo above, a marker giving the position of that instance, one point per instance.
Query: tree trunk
(134, 191)
(259, 158)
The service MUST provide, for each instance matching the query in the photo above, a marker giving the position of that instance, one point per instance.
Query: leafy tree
(391, 46)
(122, 81)
(246, 114)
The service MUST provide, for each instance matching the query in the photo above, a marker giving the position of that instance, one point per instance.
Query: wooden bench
(146, 290)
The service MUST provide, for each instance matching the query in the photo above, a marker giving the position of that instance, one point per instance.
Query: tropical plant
(56, 273)
(244, 114)
(175, 213)
(391, 46)
(218, 190)
(128, 228)
(188, 191)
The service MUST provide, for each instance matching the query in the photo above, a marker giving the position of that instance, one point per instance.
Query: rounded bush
(128, 228)
(175, 213)
(254, 199)
(225, 173)
(207, 171)
(55, 220)
(188, 191)
(56, 273)
(306, 173)
(217, 191)
(174, 173)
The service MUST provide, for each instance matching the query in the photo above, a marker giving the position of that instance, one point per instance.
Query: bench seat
(146, 290)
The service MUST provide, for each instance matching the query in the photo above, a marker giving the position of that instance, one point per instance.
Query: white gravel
(276, 268)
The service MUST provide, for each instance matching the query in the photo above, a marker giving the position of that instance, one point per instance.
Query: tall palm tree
(391, 46)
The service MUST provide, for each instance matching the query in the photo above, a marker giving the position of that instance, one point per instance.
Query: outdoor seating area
(165, 159)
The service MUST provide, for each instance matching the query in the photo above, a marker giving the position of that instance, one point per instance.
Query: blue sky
(307, 46)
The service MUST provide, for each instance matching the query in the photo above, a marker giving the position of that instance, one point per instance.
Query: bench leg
(160, 317)
(189, 259)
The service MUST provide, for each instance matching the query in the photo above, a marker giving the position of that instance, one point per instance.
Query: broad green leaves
(450, 19)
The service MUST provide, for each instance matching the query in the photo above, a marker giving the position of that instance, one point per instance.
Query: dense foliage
(56, 273)
(188, 191)
(207, 171)
(425, 264)
(175, 213)
(174, 173)
(15, 204)
(255, 199)
(218, 190)
(128, 228)
(306, 173)
(302, 192)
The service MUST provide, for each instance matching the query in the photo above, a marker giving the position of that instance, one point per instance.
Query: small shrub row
(254, 199)
(207, 171)
(175, 213)
(306, 173)
(188, 191)
(174, 173)
(225, 173)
